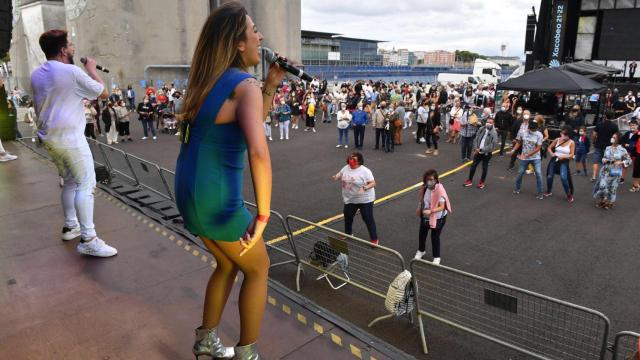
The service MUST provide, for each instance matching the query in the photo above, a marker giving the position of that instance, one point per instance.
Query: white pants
(284, 129)
(112, 135)
(267, 129)
(75, 166)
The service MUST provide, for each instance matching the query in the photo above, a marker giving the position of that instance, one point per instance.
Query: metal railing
(626, 346)
(527, 322)
(368, 267)
(531, 323)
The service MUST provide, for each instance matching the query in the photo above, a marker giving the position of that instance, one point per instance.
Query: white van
(487, 71)
(446, 78)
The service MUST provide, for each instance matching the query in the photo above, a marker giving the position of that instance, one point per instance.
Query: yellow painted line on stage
(377, 201)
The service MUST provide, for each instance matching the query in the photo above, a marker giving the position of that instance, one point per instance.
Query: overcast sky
(475, 25)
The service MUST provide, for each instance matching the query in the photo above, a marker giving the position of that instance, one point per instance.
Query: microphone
(84, 61)
(272, 57)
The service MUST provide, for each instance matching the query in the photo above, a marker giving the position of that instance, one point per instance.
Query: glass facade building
(319, 48)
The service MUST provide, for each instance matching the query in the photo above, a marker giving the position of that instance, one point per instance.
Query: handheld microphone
(84, 61)
(272, 57)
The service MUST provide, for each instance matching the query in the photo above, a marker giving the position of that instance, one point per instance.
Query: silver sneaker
(247, 352)
(96, 247)
(208, 343)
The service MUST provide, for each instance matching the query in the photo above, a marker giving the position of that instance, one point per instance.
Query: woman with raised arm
(221, 120)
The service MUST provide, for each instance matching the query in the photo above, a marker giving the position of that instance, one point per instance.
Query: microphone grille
(269, 55)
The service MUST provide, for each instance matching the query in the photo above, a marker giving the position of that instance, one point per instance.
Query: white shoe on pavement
(70, 234)
(338, 145)
(313, 129)
(436, 261)
(419, 254)
(143, 138)
(96, 247)
(154, 138)
(7, 157)
(270, 138)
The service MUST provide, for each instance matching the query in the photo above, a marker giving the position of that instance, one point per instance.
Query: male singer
(58, 90)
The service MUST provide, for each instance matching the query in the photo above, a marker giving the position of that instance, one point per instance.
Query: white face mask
(613, 140)
(581, 132)
(431, 184)
(519, 112)
(503, 108)
(526, 117)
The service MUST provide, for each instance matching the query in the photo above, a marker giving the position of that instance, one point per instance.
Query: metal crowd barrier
(116, 160)
(368, 267)
(627, 344)
(533, 324)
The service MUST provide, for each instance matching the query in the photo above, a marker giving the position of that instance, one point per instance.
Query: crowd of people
(481, 120)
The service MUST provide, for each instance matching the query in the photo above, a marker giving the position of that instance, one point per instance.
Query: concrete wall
(26, 55)
(126, 36)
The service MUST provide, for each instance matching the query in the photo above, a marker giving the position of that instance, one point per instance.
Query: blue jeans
(537, 168)
(564, 175)
(148, 123)
(343, 133)
(388, 141)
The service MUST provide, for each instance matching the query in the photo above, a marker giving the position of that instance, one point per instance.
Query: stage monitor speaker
(531, 30)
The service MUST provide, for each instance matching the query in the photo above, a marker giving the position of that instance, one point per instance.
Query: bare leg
(219, 286)
(253, 293)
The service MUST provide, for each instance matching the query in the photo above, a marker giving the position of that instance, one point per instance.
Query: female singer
(222, 118)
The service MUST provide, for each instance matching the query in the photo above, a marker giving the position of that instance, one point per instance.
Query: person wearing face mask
(520, 126)
(530, 142)
(390, 117)
(483, 144)
(284, 118)
(421, 120)
(600, 140)
(145, 111)
(358, 193)
(561, 150)
(433, 208)
(615, 158)
(343, 123)
(359, 121)
(503, 123)
(454, 121)
(432, 130)
(378, 119)
(575, 118)
(583, 144)
(630, 143)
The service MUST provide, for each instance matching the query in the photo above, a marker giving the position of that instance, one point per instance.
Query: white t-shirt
(352, 181)
(58, 90)
(427, 204)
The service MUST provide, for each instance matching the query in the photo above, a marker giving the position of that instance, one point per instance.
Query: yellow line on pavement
(377, 201)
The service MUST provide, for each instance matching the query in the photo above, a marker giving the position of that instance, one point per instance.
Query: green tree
(468, 56)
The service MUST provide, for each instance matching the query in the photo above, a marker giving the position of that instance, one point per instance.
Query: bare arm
(90, 65)
(250, 114)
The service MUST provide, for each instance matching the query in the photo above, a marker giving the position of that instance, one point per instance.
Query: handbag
(615, 171)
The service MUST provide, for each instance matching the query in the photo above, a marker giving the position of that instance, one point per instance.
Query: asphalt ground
(573, 252)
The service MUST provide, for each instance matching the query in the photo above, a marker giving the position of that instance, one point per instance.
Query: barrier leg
(422, 335)
(300, 270)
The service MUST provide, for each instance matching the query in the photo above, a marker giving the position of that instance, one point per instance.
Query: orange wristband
(263, 218)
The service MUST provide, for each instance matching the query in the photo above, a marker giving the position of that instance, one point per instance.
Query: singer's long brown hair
(216, 51)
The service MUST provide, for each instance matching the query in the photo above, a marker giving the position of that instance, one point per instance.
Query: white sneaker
(338, 145)
(436, 261)
(419, 254)
(143, 138)
(96, 247)
(70, 234)
(346, 146)
(286, 138)
(270, 138)
(154, 138)
(115, 142)
(281, 138)
(7, 157)
(109, 143)
(313, 129)
(423, 140)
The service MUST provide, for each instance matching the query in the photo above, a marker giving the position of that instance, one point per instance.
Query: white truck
(484, 71)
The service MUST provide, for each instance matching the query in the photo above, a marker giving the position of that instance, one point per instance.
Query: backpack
(400, 297)
(323, 253)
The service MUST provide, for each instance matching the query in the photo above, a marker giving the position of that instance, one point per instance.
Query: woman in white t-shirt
(344, 120)
(358, 193)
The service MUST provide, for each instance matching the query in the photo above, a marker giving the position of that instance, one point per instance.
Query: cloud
(476, 25)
